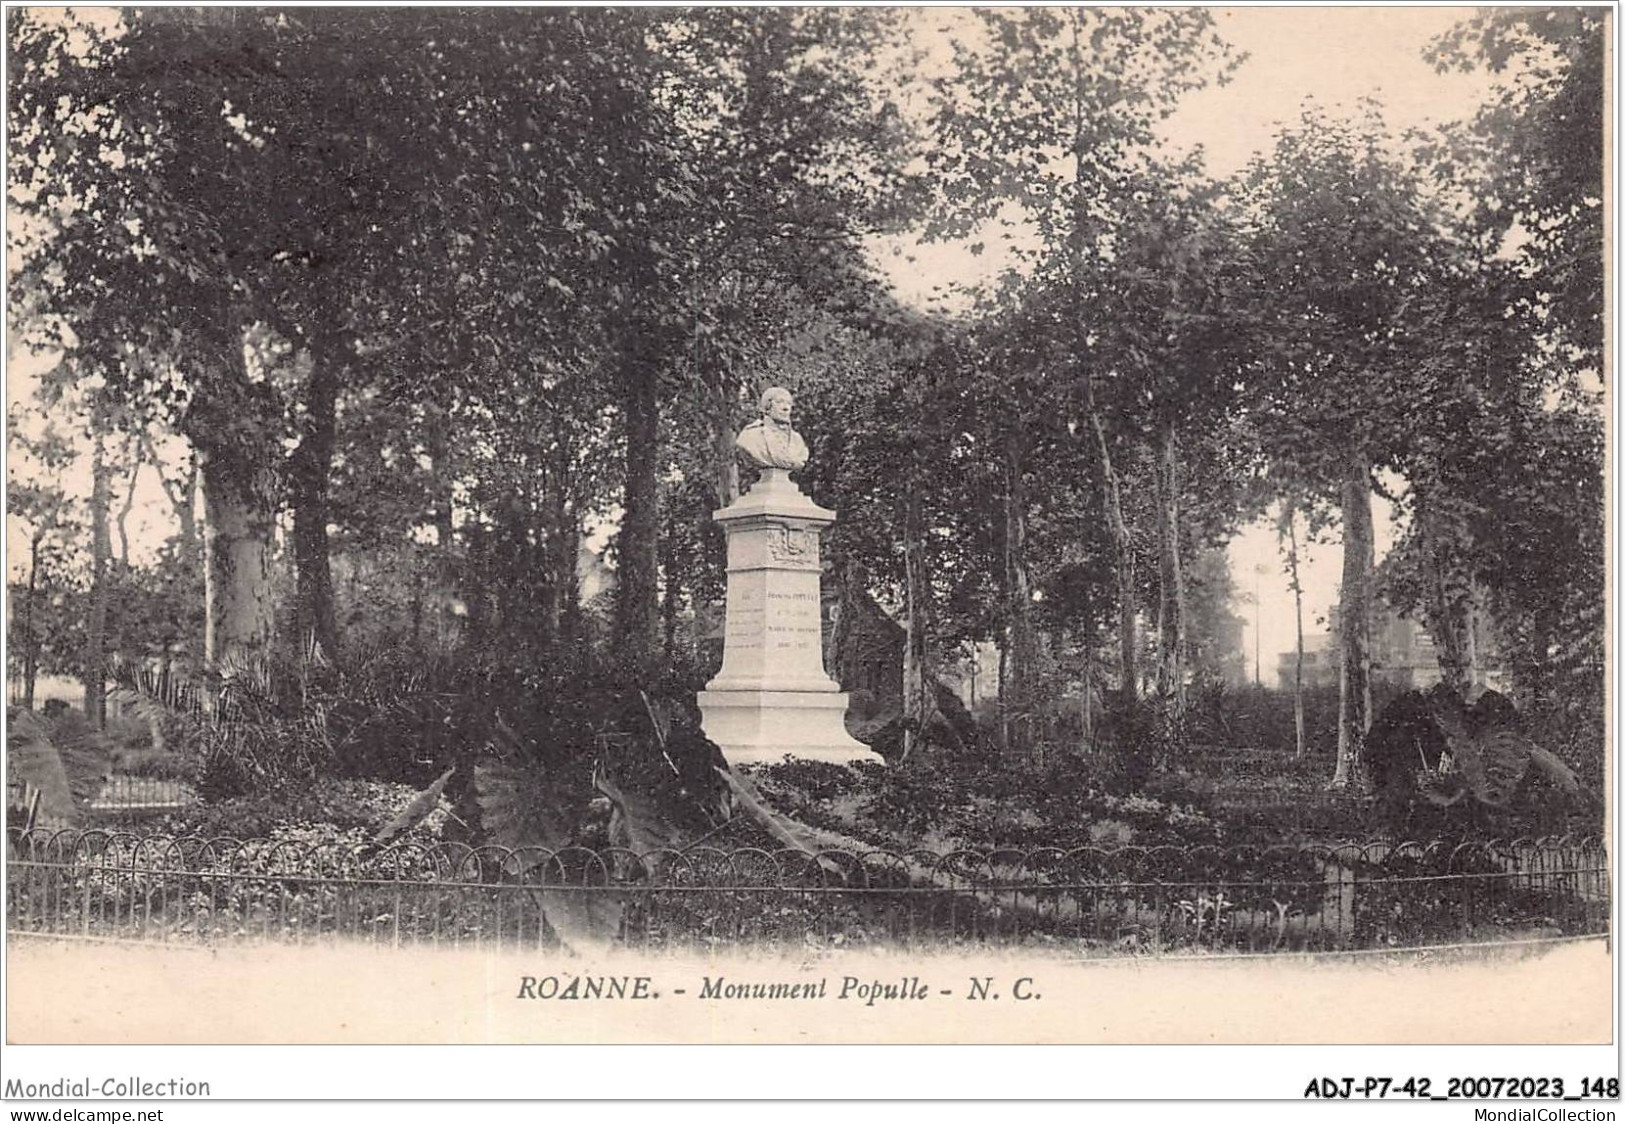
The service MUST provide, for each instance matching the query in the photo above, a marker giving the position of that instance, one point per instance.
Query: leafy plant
(416, 812)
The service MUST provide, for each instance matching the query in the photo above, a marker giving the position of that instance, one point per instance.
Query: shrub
(1130, 739)
(815, 780)
(332, 805)
(981, 803)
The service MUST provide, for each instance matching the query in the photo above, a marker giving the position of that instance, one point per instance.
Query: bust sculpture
(769, 441)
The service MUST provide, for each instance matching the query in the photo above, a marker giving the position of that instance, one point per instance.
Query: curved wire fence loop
(1125, 864)
(884, 869)
(1463, 857)
(90, 846)
(1005, 861)
(577, 866)
(919, 858)
(693, 866)
(1040, 865)
(415, 862)
(967, 867)
(492, 864)
(1085, 863)
(1208, 860)
(754, 868)
(837, 868)
(663, 864)
(533, 866)
(158, 853)
(1384, 855)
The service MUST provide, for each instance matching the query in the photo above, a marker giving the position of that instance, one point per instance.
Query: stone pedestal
(772, 698)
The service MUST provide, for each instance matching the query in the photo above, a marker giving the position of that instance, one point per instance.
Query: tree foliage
(457, 313)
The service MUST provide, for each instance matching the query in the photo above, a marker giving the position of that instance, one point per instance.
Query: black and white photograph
(830, 526)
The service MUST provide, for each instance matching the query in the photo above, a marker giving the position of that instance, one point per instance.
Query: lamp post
(1258, 671)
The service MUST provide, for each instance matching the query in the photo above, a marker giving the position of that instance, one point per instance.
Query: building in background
(1403, 657)
(1402, 653)
(1319, 663)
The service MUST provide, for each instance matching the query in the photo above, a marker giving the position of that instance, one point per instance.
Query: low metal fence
(1089, 901)
(121, 797)
(127, 794)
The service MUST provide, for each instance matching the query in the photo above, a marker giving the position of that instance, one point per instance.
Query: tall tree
(1524, 312)
(279, 225)
(36, 501)
(1053, 110)
(1170, 333)
(1287, 527)
(1346, 244)
(1545, 138)
(101, 551)
(114, 168)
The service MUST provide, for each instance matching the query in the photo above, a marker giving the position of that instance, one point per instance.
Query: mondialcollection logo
(87, 1088)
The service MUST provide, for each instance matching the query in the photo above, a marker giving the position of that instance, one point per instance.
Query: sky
(1336, 56)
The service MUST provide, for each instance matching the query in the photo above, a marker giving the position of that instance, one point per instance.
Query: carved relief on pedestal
(797, 549)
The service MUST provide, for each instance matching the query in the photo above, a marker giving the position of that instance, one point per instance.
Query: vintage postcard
(1065, 526)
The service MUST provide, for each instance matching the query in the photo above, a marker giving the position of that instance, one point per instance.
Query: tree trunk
(1532, 673)
(1088, 713)
(1164, 585)
(1291, 521)
(186, 512)
(846, 639)
(1172, 581)
(30, 639)
(101, 551)
(567, 579)
(553, 585)
(476, 572)
(636, 607)
(725, 456)
(708, 534)
(182, 497)
(917, 702)
(1123, 547)
(442, 590)
(1126, 593)
(1354, 622)
(913, 721)
(1004, 709)
(239, 517)
(310, 471)
(1446, 617)
(1016, 688)
(416, 608)
(1477, 649)
(670, 598)
(1175, 550)
(134, 448)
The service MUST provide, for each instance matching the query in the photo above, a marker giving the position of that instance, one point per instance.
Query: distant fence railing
(121, 796)
(115, 886)
(126, 793)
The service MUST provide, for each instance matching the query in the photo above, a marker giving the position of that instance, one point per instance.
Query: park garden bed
(1215, 849)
